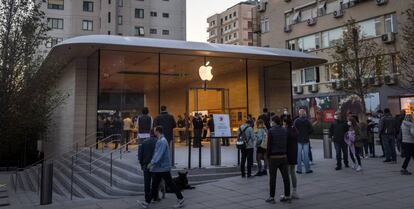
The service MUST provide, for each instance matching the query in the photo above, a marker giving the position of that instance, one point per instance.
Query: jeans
(357, 154)
(389, 147)
(310, 153)
(303, 147)
(282, 165)
(292, 174)
(246, 154)
(408, 150)
(156, 180)
(147, 184)
(341, 149)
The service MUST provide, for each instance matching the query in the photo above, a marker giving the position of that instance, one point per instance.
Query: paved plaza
(378, 186)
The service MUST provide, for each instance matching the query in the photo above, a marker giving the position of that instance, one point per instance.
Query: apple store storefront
(106, 75)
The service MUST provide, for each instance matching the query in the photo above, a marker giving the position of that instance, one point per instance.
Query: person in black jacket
(337, 132)
(167, 122)
(304, 127)
(198, 126)
(265, 116)
(277, 157)
(145, 153)
(388, 131)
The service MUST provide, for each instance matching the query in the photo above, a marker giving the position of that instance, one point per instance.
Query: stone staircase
(127, 179)
(4, 196)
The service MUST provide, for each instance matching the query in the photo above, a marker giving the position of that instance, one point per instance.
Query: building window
(120, 20)
(139, 13)
(288, 19)
(309, 43)
(87, 25)
(390, 23)
(212, 33)
(55, 4)
(55, 23)
(109, 1)
(165, 15)
(165, 32)
(153, 14)
(88, 6)
(370, 28)
(334, 71)
(264, 25)
(234, 14)
(332, 6)
(250, 35)
(235, 35)
(249, 24)
(234, 24)
(53, 41)
(139, 31)
(310, 75)
(308, 13)
(153, 31)
(120, 3)
(109, 17)
(291, 45)
(329, 38)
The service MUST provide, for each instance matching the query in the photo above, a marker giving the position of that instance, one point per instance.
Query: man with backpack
(388, 131)
(245, 142)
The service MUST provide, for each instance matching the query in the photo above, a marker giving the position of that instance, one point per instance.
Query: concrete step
(4, 196)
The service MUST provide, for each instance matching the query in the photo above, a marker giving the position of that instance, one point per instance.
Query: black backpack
(242, 139)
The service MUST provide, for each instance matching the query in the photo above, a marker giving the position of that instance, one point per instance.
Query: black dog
(181, 181)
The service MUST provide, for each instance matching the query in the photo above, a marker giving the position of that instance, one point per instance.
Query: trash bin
(327, 145)
(46, 184)
(215, 149)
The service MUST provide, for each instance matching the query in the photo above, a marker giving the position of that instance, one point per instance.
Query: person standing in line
(127, 125)
(407, 131)
(304, 127)
(380, 114)
(337, 133)
(278, 160)
(292, 156)
(144, 125)
(181, 124)
(265, 116)
(145, 153)
(198, 126)
(117, 124)
(285, 114)
(399, 119)
(160, 167)
(355, 144)
(167, 121)
(261, 147)
(371, 138)
(388, 131)
(364, 138)
(246, 132)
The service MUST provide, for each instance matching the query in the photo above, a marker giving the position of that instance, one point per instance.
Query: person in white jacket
(407, 131)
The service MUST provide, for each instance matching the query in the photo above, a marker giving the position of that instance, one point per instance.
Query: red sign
(328, 116)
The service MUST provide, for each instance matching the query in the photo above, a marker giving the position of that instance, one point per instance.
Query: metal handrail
(100, 141)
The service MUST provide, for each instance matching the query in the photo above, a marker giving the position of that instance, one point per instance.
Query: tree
(407, 52)
(26, 96)
(357, 62)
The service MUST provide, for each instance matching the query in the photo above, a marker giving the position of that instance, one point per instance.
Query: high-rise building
(233, 26)
(313, 26)
(164, 19)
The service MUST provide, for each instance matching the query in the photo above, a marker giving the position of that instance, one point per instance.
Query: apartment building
(233, 26)
(313, 26)
(165, 19)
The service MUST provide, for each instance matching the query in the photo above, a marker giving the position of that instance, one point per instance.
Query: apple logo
(205, 72)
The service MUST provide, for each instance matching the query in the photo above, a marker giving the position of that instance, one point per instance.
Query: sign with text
(221, 125)
(328, 115)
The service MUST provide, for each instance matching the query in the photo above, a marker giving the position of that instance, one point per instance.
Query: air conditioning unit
(388, 38)
(314, 88)
(261, 7)
(288, 28)
(298, 89)
(338, 13)
(311, 21)
(381, 2)
(390, 80)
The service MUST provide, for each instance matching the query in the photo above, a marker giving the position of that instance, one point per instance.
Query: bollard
(327, 145)
(46, 189)
(215, 152)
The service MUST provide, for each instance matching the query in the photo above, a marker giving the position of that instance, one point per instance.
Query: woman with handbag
(261, 146)
(407, 131)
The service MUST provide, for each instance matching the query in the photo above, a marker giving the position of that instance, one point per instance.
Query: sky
(197, 13)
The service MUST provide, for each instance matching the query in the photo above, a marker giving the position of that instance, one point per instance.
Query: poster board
(221, 125)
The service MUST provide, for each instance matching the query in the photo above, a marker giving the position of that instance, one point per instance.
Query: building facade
(165, 19)
(313, 26)
(233, 26)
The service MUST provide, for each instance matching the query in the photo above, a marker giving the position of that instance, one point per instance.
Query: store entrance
(207, 101)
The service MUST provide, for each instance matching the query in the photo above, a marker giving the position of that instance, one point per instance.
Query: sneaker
(309, 171)
(386, 161)
(295, 195)
(354, 166)
(359, 168)
(180, 204)
(285, 199)
(259, 173)
(270, 200)
(143, 204)
(405, 172)
(338, 168)
(299, 172)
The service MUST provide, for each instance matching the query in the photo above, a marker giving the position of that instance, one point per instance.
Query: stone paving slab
(379, 186)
